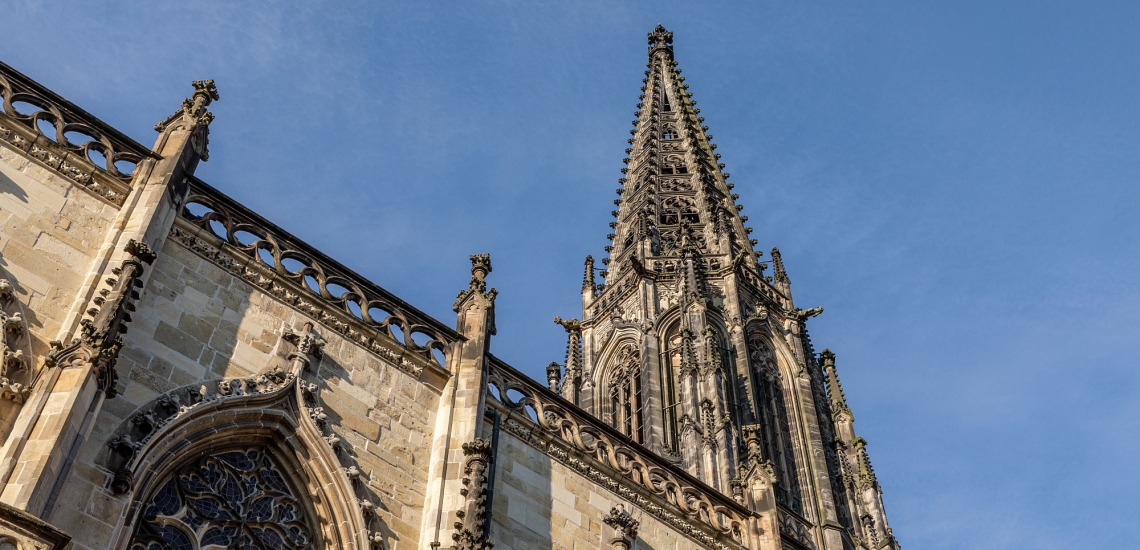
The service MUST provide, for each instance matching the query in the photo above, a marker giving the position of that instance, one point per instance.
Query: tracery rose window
(233, 499)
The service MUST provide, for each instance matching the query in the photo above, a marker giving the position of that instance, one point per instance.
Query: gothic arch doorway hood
(248, 460)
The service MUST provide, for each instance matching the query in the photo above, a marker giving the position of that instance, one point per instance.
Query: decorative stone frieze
(76, 133)
(262, 254)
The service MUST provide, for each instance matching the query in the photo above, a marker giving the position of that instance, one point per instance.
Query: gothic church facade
(179, 372)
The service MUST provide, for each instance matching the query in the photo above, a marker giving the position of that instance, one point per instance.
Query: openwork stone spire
(673, 176)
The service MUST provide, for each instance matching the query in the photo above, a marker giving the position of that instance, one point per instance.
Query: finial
(588, 278)
(661, 38)
(834, 389)
(480, 267)
(553, 376)
(194, 107)
(778, 272)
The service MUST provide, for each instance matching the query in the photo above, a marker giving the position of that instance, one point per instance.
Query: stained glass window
(228, 500)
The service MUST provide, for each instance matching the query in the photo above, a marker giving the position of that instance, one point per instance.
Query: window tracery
(674, 210)
(775, 430)
(674, 165)
(624, 387)
(676, 185)
(671, 240)
(236, 499)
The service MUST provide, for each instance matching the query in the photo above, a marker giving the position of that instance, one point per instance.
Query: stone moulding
(277, 408)
(75, 168)
(24, 531)
(66, 138)
(576, 439)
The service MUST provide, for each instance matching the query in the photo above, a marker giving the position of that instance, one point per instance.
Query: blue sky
(955, 183)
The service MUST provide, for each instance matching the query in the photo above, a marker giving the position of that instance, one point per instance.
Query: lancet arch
(775, 403)
(269, 438)
(619, 386)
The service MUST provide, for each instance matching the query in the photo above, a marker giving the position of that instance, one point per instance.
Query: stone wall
(50, 233)
(196, 322)
(540, 503)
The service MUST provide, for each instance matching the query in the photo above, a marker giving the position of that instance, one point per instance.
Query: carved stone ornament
(621, 528)
(480, 268)
(472, 528)
(366, 314)
(72, 142)
(101, 333)
(16, 373)
(201, 505)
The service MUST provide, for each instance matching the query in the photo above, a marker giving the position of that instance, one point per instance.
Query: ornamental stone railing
(67, 139)
(602, 454)
(280, 263)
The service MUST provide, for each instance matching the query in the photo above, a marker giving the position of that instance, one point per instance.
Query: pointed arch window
(230, 499)
(776, 437)
(622, 385)
(668, 132)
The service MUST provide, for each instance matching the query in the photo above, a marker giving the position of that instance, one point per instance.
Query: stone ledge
(29, 531)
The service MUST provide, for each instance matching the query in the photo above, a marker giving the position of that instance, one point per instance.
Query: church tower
(693, 347)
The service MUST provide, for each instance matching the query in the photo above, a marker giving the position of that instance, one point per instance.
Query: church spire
(686, 347)
(673, 176)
